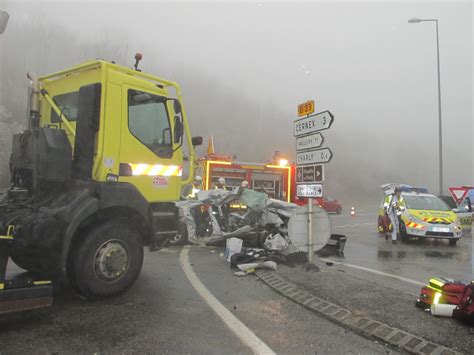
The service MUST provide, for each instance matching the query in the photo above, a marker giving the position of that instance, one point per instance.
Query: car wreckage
(274, 225)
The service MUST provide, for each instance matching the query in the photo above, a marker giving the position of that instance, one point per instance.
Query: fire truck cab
(274, 178)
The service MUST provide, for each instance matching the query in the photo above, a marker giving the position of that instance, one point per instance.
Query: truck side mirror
(178, 129)
(197, 141)
(177, 106)
(3, 21)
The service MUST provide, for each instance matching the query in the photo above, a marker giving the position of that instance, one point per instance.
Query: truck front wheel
(107, 260)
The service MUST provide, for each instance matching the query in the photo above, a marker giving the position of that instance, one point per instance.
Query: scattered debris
(334, 246)
(247, 267)
(271, 265)
(240, 258)
(233, 246)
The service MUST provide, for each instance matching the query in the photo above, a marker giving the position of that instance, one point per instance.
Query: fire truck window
(68, 104)
(148, 119)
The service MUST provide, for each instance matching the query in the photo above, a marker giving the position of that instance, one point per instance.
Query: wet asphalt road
(417, 260)
(162, 313)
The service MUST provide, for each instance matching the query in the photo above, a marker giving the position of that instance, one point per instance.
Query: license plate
(440, 229)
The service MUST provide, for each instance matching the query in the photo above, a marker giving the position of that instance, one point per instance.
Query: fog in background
(244, 67)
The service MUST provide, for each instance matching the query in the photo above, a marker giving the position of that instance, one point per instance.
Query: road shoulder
(370, 300)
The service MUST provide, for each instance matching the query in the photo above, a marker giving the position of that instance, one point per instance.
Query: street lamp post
(440, 128)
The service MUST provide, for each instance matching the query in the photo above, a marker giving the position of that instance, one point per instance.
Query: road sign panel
(317, 156)
(312, 124)
(309, 142)
(310, 173)
(309, 190)
(459, 193)
(306, 108)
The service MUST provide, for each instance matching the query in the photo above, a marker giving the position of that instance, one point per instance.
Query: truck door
(146, 147)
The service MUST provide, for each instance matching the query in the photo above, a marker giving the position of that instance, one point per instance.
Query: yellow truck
(94, 179)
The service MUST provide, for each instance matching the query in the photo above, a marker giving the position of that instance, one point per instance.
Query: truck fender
(86, 209)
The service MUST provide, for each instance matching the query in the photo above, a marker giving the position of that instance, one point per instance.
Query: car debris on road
(257, 231)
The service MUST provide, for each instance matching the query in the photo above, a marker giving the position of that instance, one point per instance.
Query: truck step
(27, 298)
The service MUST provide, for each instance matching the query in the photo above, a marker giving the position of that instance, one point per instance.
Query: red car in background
(329, 203)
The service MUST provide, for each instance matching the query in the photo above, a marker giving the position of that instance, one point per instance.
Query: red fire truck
(275, 178)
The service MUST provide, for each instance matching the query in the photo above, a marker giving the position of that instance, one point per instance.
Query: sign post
(309, 171)
(310, 232)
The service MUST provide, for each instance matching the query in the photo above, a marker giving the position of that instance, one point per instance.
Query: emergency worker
(220, 184)
(394, 205)
(195, 187)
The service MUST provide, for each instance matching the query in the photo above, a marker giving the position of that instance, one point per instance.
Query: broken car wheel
(182, 236)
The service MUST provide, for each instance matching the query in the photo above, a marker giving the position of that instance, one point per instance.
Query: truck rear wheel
(107, 261)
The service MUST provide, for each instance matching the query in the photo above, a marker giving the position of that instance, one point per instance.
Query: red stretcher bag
(465, 309)
(450, 292)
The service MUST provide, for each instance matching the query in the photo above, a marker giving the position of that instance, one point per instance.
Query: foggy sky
(244, 67)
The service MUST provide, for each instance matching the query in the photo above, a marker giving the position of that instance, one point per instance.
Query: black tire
(339, 210)
(403, 233)
(453, 242)
(182, 236)
(107, 260)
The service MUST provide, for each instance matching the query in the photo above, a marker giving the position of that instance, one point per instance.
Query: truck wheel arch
(90, 214)
(85, 210)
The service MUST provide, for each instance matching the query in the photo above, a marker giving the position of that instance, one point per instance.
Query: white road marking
(414, 282)
(233, 323)
(356, 224)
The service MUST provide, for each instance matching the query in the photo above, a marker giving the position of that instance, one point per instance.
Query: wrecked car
(252, 216)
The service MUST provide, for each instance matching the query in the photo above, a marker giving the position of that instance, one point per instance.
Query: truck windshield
(148, 119)
(431, 203)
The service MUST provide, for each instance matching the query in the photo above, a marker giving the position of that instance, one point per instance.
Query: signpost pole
(310, 231)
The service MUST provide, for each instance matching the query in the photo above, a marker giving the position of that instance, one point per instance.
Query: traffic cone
(353, 212)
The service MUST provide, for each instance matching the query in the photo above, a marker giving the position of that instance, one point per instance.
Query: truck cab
(96, 175)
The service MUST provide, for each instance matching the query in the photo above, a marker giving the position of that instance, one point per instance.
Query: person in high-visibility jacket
(220, 184)
(394, 205)
(196, 186)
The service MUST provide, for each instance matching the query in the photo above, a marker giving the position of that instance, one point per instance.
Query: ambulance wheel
(107, 260)
(182, 236)
(453, 242)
